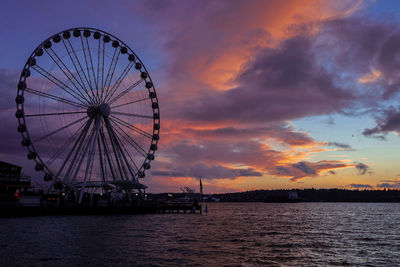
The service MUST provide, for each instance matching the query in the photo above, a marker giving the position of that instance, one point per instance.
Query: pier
(179, 207)
(142, 208)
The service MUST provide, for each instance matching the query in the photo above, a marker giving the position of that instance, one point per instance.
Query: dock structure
(146, 207)
(17, 199)
(179, 207)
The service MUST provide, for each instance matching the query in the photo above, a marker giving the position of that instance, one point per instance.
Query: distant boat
(209, 198)
(291, 197)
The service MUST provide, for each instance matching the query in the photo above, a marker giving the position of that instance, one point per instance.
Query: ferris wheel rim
(40, 163)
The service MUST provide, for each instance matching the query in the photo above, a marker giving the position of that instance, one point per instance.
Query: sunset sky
(252, 94)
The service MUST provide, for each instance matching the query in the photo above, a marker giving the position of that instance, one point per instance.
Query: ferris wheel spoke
(93, 72)
(53, 54)
(75, 65)
(125, 154)
(102, 70)
(133, 115)
(116, 152)
(132, 102)
(75, 149)
(130, 140)
(126, 91)
(104, 88)
(80, 66)
(91, 64)
(102, 170)
(59, 83)
(118, 82)
(126, 151)
(98, 71)
(87, 68)
(53, 97)
(92, 144)
(98, 65)
(64, 146)
(113, 65)
(81, 156)
(121, 149)
(58, 130)
(54, 114)
(133, 128)
(76, 145)
(107, 154)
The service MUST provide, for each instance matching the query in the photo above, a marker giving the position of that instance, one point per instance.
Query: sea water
(230, 234)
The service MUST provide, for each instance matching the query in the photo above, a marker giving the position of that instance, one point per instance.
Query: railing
(12, 178)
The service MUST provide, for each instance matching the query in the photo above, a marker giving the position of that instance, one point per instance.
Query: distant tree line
(305, 195)
(314, 195)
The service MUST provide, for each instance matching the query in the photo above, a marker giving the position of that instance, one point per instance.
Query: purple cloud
(344, 147)
(395, 183)
(360, 186)
(280, 84)
(363, 168)
(283, 133)
(388, 122)
(305, 168)
(208, 172)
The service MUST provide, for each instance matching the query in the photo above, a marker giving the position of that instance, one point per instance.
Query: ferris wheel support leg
(116, 154)
(103, 175)
(119, 148)
(90, 156)
(106, 152)
(69, 155)
(78, 159)
(77, 146)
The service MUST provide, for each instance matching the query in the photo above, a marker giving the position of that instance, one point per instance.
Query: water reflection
(234, 234)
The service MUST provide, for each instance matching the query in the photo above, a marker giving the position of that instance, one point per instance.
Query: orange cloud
(209, 46)
(373, 76)
(256, 26)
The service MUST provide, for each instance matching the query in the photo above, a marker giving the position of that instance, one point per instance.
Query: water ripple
(231, 234)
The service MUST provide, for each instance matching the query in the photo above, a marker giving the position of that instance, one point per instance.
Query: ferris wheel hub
(103, 110)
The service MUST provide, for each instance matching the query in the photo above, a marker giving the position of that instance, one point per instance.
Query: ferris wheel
(88, 112)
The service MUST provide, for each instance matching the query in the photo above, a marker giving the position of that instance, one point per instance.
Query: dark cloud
(247, 152)
(305, 168)
(345, 147)
(360, 186)
(208, 172)
(359, 45)
(305, 75)
(283, 170)
(362, 46)
(288, 82)
(280, 84)
(283, 133)
(387, 185)
(395, 183)
(354, 42)
(168, 173)
(388, 122)
(363, 168)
